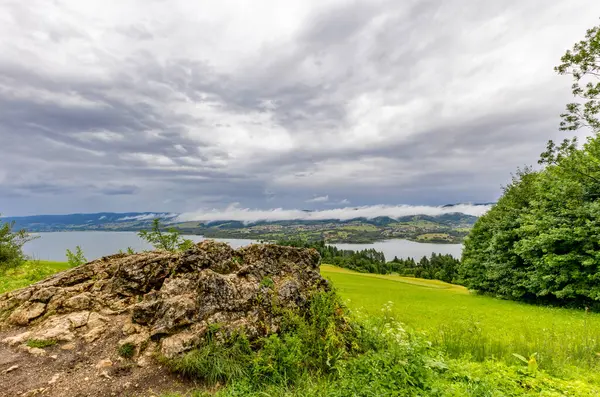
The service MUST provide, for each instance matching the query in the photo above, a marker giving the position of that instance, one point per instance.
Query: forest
(435, 267)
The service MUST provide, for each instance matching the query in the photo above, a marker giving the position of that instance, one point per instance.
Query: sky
(207, 106)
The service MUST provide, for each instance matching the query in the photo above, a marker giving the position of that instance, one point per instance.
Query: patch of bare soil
(79, 369)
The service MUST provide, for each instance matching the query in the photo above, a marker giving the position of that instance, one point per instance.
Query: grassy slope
(484, 327)
(480, 326)
(29, 273)
(449, 315)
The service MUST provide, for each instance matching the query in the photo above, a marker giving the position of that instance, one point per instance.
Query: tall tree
(541, 241)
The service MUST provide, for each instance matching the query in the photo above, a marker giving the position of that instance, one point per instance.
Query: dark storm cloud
(166, 106)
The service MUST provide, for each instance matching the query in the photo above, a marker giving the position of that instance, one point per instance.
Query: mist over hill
(443, 224)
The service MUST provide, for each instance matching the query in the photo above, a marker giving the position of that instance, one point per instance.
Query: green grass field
(361, 228)
(478, 333)
(465, 324)
(434, 236)
(29, 273)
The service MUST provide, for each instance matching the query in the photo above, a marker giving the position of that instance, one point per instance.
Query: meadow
(29, 273)
(479, 328)
(460, 323)
(485, 344)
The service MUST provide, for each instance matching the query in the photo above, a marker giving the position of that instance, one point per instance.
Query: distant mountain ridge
(137, 220)
(93, 221)
(444, 228)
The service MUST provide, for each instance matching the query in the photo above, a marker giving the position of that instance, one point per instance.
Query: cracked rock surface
(157, 302)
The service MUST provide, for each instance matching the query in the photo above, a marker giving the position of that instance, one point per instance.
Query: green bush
(169, 240)
(313, 350)
(77, 258)
(126, 350)
(11, 246)
(216, 361)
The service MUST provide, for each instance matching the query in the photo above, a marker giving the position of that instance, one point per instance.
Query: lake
(53, 245)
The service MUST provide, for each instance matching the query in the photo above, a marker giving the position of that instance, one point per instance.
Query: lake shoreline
(245, 237)
(52, 246)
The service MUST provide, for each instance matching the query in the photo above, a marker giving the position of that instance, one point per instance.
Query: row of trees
(436, 267)
(541, 241)
(439, 267)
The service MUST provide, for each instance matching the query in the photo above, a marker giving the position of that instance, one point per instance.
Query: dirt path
(81, 371)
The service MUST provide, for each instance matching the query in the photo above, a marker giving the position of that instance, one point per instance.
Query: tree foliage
(436, 267)
(76, 258)
(11, 246)
(442, 267)
(541, 241)
(168, 240)
(583, 64)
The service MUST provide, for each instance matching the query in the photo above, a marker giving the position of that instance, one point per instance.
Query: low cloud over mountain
(277, 214)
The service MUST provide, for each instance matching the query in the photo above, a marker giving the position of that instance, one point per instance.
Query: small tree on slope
(11, 246)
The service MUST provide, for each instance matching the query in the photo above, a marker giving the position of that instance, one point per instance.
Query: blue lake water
(53, 245)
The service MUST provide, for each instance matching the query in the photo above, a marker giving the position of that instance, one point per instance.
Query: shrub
(267, 282)
(170, 240)
(77, 258)
(126, 350)
(215, 361)
(539, 243)
(11, 246)
(323, 352)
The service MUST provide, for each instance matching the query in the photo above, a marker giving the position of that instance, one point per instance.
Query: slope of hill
(96, 221)
(446, 228)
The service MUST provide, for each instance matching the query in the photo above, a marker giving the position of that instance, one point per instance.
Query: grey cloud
(119, 190)
(373, 102)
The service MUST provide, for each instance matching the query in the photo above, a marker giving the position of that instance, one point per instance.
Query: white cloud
(148, 217)
(234, 212)
(318, 199)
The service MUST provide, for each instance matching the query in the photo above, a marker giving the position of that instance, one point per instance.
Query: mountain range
(445, 228)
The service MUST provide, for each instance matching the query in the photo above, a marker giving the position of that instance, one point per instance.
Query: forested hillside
(541, 241)
(445, 228)
(442, 267)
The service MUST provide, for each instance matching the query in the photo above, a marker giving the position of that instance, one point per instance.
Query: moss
(126, 350)
(267, 282)
(40, 344)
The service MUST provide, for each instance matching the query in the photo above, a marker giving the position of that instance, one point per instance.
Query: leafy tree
(541, 241)
(77, 258)
(11, 246)
(440, 267)
(583, 64)
(169, 240)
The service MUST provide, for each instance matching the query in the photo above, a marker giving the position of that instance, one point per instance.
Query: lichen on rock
(166, 300)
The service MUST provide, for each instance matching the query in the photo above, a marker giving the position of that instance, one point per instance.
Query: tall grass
(31, 272)
(332, 352)
(377, 357)
(556, 347)
(478, 327)
(314, 351)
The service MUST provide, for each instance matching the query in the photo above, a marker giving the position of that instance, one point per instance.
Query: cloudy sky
(185, 106)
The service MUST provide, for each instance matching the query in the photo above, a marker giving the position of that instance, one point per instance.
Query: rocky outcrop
(165, 301)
